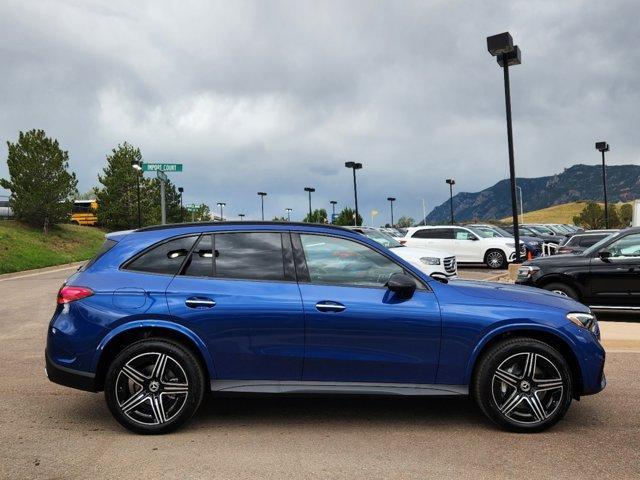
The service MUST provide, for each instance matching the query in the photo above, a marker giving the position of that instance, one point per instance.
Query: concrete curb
(40, 271)
(620, 336)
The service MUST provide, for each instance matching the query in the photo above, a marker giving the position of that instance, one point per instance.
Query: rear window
(106, 246)
(165, 258)
(588, 240)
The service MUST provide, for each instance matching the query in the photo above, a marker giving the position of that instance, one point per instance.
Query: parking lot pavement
(48, 431)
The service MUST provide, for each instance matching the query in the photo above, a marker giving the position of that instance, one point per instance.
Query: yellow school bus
(84, 212)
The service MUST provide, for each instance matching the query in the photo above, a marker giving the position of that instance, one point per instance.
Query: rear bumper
(69, 377)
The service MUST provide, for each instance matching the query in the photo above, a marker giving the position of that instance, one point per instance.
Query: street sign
(192, 208)
(161, 175)
(161, 167)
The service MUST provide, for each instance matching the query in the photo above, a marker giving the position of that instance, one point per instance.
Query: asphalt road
(48, 431)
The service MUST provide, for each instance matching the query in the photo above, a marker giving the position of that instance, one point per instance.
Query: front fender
(155, 323)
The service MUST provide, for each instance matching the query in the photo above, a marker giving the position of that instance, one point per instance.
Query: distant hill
(575, 184)
(563, 213)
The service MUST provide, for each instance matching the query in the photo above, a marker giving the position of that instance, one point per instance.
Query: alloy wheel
(151, 388)
(494, 259)
(527, 388)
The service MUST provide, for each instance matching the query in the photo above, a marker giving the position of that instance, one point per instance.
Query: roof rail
(238, 222)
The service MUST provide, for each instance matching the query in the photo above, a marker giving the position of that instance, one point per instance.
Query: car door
(356, 329)
(466, 246)
(238, 291)
(614, 276)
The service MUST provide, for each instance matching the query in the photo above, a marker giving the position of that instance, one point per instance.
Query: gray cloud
(275, 96)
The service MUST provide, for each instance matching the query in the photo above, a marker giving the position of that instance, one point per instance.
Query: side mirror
(604, 255)
(474, 238)
(402, 284)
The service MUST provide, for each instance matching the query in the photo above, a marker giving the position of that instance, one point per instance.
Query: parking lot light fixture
(333, 209)
(262, 195)
(241, 215)
(451, 183)
(289, 210)
(508, 54)
(309, 190)
(354, 166)
(604, 147)
(391, 200)
(221, 205)
(137, 166)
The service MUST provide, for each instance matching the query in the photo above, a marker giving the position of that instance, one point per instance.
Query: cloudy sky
(276, 96)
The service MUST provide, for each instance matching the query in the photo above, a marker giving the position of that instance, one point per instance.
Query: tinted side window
(434, 233)
(588, 240)
(200, 262)
(344, 262)
(250, 256)
(164, 258)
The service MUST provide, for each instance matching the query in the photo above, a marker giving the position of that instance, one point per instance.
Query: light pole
(355, 166)
(502, 47)
(262, 195)
(451, 183)
(333, 209)
(309, 189)
(241, 215)
(391, 200)
(181, 190)
(137, 166)
(289, 210)
(604, 147)
(221, 205)
(521, 205)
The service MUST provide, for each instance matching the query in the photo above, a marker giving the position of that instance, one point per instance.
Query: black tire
(495, 259)
(562, 289)
(160, 379)
(514, 398)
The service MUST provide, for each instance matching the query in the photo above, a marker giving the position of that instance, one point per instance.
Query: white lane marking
(40, 273)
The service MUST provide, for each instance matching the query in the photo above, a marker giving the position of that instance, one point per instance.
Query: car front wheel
(523, 385)
(495, 259)
(562, 289)
(154, 386)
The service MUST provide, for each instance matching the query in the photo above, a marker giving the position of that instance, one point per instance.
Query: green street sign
(161, 167)
(192, 208)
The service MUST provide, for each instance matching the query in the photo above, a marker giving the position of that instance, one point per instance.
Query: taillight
(68, 294)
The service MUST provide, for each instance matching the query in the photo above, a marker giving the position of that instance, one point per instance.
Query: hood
(566, 260)
(413, 253)
(519, 294)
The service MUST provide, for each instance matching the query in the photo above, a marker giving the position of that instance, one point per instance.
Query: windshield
(597, 246)
(541, 229)
(484, 232)
(383, 239)
(502, 232)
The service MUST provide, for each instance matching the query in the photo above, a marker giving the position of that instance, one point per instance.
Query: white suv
(467, 244)
(429, 261)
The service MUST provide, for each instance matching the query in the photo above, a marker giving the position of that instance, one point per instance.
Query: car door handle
(330, 306)
(199, 302)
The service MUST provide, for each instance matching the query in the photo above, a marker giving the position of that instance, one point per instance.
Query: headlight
(430, 260)
(527, 271)
(585, 320)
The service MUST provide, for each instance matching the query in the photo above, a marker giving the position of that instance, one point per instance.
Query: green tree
(317, 216)
(626, 215)
(614, 217)
(591, 217)
(202, 214)
(41, 186)
(346, 217)
(151, 192)
(405, 222)
(117, 199)
(280, 219)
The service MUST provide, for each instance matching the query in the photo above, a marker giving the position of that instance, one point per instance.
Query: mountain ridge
(576, 183)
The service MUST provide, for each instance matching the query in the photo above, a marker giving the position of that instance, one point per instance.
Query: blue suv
(163, 315)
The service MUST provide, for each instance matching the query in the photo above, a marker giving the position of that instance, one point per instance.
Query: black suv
(605, 276)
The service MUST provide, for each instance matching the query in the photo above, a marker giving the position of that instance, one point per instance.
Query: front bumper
(69, 377)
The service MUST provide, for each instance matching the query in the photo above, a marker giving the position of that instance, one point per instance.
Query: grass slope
(557, 214)
(24, 248)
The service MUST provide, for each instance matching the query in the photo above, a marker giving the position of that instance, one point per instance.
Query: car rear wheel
(523, 385)
(562, 289)
(495, 259)
(154, 386)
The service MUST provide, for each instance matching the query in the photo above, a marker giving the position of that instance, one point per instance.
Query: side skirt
(273, 386)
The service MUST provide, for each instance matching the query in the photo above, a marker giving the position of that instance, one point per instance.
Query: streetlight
(502, 47)
(289, 210)
(180, 191)
(241, 215)
(355, 166)
(451, 183)
(333, 209)
(309, 189)
(391, 200)
(262, 195)
(137, 166)
(221, 205)
(604, 147)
